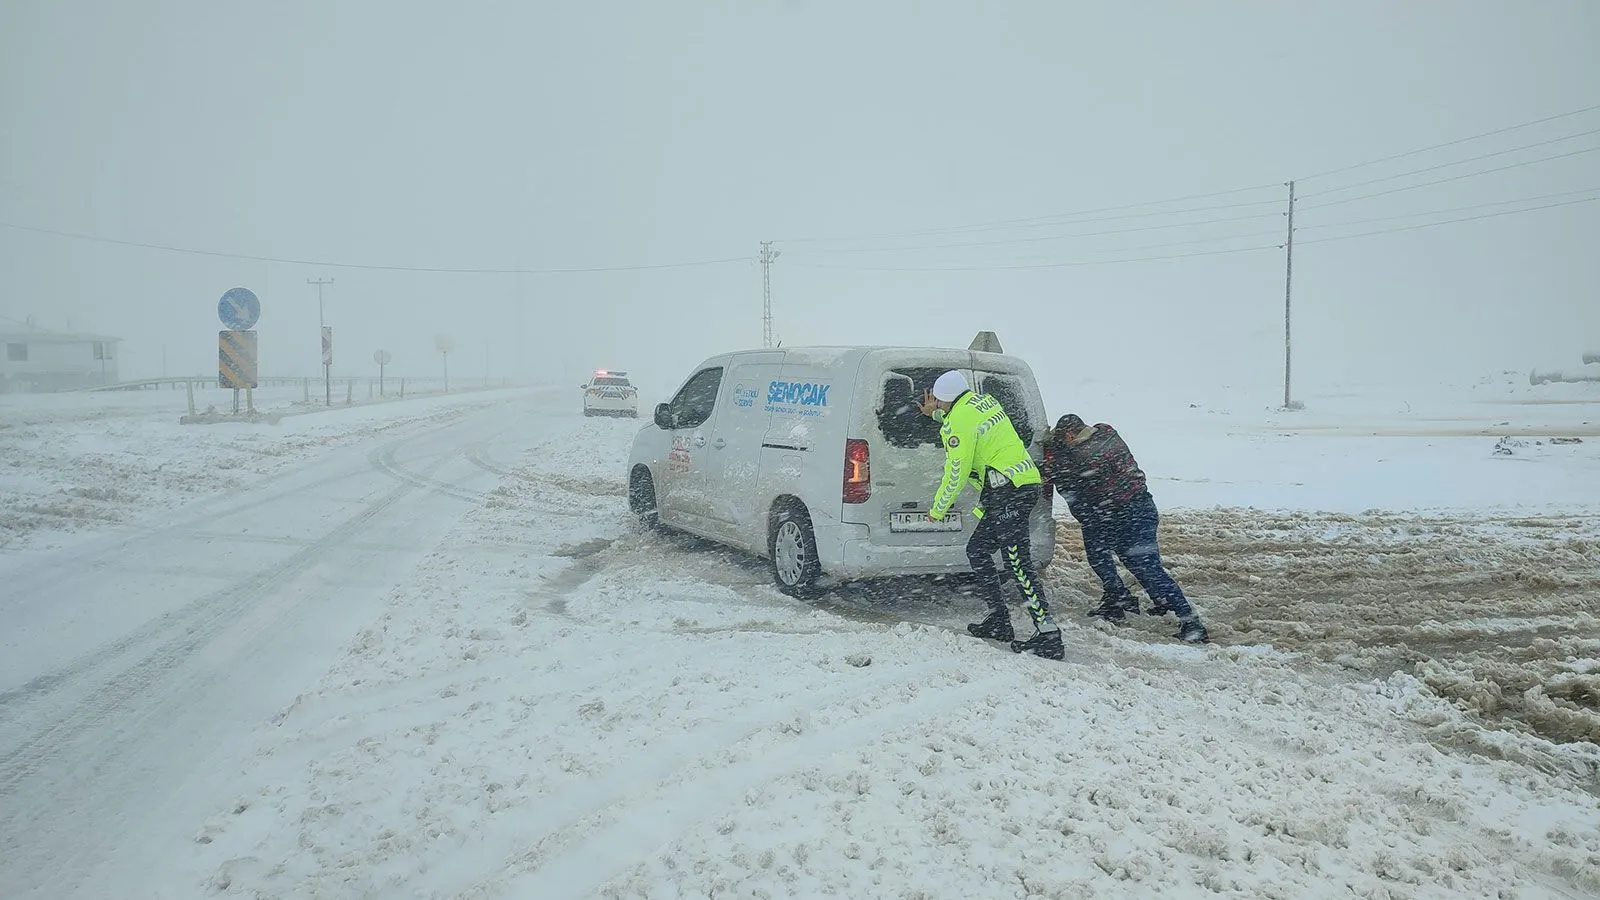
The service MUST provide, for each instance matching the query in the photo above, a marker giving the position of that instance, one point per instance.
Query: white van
(818, 459)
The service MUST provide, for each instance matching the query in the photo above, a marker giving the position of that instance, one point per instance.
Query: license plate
(915, 521)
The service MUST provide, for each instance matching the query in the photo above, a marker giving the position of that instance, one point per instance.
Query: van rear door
(906, 458)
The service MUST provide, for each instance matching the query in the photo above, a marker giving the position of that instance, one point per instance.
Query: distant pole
(767, 256)
(444, 344)
(1288, 288)
(322, 323)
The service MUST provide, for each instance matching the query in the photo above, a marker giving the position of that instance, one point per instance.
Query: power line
(1412, 187)
(1055, 265)
(1065, 218)
(375, 268)
(1454, 209)
(1508, 212)
(1230, 251)
(1165, 244)
(1190, 243)
(1053, 237)
(1373, 162)
(1459, 162)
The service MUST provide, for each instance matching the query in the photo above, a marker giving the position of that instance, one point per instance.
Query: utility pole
(767, 256)
(327, 363)
(1288, 287)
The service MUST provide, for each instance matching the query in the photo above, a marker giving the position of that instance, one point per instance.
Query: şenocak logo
(797, 393)
(798, 398)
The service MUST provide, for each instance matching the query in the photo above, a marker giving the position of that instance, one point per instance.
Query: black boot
(1113, 608)
(1193, 631)
(995, 627)
(1046, 644)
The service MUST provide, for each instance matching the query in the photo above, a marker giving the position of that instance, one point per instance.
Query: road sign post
(382, 358)
(327, 365)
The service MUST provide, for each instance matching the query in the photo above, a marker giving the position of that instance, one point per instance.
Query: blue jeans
(1129, 533)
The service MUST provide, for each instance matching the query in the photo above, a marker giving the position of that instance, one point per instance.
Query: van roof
(830, 357)
(843, 349)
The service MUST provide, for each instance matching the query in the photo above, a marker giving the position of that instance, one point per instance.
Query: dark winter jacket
(1097, 476)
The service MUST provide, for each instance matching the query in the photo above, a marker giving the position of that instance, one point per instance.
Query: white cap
(949, 386)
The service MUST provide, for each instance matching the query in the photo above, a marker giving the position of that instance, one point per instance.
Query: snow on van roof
(829, 355)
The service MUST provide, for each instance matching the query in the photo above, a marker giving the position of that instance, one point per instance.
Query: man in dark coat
(1093, 470)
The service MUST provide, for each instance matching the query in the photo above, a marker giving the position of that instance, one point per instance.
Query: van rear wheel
(795, 567)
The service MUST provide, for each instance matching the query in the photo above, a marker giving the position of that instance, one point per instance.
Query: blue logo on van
(797, 393)
(744, 396)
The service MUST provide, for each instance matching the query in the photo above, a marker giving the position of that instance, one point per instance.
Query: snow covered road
(437, 659)
(134, 661)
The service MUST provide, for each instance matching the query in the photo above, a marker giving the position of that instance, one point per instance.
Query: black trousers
(1004, 530)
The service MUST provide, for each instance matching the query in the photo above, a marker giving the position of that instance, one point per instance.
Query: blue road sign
(239, 309)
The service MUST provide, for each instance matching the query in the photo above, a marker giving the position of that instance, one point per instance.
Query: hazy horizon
(570, 136)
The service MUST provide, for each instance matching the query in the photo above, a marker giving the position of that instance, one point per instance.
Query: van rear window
(1008, 391)
(898, 418)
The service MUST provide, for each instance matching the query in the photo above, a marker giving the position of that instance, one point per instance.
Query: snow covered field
(421, 651)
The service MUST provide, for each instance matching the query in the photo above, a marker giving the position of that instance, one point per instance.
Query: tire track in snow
(174, 639)
(478, 455)
(38, 578)
(100, 737)
(385, 460)
(207, 608)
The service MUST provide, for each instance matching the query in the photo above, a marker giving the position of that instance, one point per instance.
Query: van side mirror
(664, 416)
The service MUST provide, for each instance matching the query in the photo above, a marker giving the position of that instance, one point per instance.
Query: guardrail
(1568, 376)
(310, 385)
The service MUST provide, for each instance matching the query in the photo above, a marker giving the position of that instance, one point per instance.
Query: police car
(610, 394)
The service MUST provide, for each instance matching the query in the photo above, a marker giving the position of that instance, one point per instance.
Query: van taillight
(1049, 468)
(857, 471)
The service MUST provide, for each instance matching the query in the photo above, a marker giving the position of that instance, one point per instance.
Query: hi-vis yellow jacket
(978, 439)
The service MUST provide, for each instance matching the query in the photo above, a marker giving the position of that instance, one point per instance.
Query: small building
(35, 359)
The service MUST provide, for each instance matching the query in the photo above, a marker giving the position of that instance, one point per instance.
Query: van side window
(902, 424)
(1008, 391)
(696, 399)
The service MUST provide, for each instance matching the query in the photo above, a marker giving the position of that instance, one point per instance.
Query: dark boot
(995, 627)
(1113, 608)
(1159, 608)
(1046, 644)
(1193, 631)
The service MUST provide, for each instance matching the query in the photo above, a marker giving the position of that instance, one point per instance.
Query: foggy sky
(572, 135)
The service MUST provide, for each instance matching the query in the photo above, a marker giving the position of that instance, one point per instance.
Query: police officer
(982, 447)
